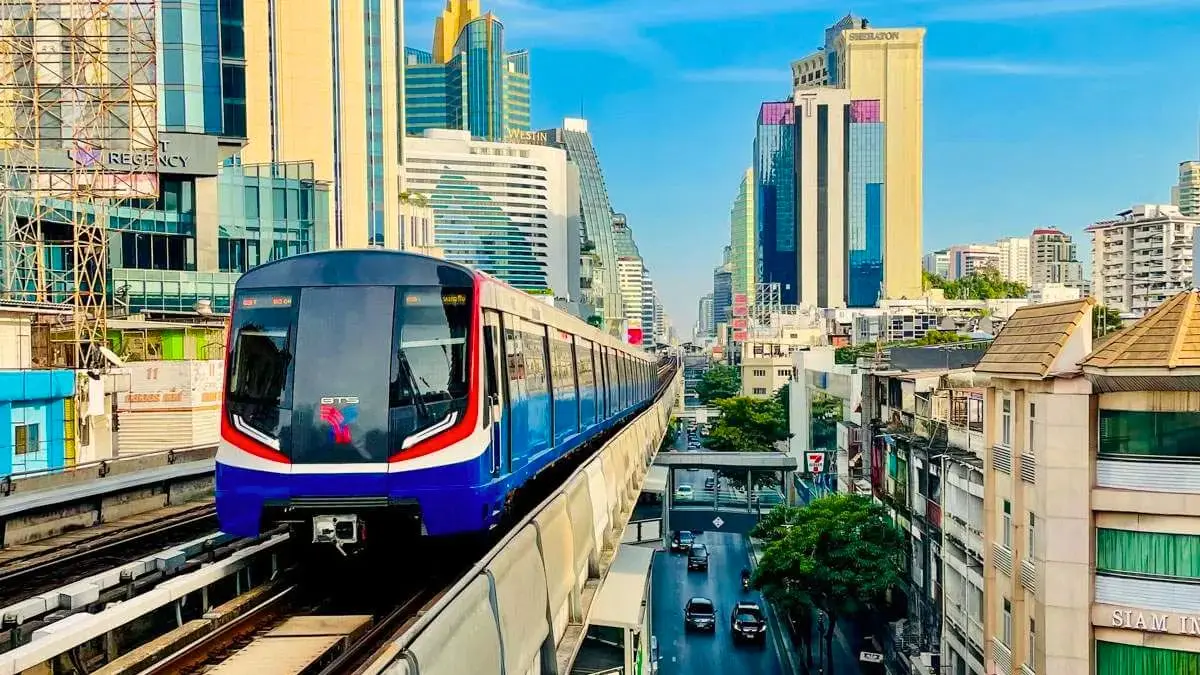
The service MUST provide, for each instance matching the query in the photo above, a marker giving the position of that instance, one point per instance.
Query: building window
(1006, 626)
(1152, 554)
(1031, 648)
(1149, 434)
(1006, 526)
(26, 439)
(760, 391)
(1032, 539)
(1029, 438)
(1006, 422)
(760, 372)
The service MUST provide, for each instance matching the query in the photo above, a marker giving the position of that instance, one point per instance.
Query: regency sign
(165, 159)
(181, 154)
(874, 35)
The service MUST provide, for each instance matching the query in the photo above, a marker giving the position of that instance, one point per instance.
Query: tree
(1104, 321)
(850, 355)
(782, 397)
(748, 424)
(840, 555)
(719, 382)
(984, 284)
(596, 321)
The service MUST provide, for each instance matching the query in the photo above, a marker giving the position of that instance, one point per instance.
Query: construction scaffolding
(79, 146)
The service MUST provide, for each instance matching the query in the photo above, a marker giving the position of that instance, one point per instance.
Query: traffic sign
(717, 522)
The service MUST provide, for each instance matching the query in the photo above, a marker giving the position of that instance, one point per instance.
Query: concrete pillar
(208, 218)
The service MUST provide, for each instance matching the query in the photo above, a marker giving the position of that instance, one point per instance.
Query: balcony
(1002, 558)
(968, 538)
(1002, 656)
(1029, 576)
(933, 513)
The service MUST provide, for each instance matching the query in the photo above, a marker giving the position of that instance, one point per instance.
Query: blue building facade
(865, 193)
(35, 407)
(481, 89)
(202, 67)
(775, 198)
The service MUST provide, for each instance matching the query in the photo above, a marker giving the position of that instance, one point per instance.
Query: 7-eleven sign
(815, 462)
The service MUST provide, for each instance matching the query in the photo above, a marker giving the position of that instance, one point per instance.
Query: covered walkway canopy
(745, 461)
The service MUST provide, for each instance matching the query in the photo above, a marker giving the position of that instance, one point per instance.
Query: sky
(1037, 112)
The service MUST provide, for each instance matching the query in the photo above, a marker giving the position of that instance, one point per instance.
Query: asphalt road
(695, 653)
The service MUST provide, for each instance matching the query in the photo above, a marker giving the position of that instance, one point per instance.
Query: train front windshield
(348, 373)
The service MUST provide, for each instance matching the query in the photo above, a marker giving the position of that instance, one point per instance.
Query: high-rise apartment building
(502, 207)
(601, 292)
(1014, 259)
(467, 81)
(1053, 259)
(1142, 257)
(883, 70)
(971, 259)
(336, 107)
(937, 263)
(742, 241)
(1186, 193)
(648, 308)
(631, 274)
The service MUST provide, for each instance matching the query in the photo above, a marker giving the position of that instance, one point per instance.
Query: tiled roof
(1033, 338)
(1168, 337)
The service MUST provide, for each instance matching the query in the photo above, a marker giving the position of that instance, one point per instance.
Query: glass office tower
(478, 87)
(775, 197)
(865, 204)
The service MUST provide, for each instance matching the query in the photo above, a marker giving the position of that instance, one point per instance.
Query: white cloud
(1014, 68)
(1000, 10)
(738, 75)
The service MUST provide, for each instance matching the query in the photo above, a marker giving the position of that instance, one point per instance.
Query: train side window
(514, 357)
(491, 386)
(260, 379)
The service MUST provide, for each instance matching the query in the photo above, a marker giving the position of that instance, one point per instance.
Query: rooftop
(1033, 338)
(1168, 337)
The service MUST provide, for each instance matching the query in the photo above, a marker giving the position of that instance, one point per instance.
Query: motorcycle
(745, 582)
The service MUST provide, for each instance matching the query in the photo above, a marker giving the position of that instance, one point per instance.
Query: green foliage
(826, 413)
(782, 398)
(986, 284)
(748, 424)
(719, 382)
(1105, 320)
(670, 437)
(596, 321)
(838, 555)
(850, 355)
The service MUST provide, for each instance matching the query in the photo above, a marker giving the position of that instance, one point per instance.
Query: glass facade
(742, 239)
(373, 53)
(1113, 658)
(1149, 433)
(722, 295)
(775, 198)
(190, 70)
(597, 216)
(475, 230)
(864, 202)
(480, 88)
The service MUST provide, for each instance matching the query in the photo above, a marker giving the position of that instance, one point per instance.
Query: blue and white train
(387, 389)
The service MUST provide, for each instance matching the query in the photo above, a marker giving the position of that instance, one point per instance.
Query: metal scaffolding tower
(79, 142)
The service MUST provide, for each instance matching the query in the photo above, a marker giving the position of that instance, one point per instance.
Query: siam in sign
(1154, 622)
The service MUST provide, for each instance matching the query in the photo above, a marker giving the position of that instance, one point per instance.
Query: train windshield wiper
(418, 396)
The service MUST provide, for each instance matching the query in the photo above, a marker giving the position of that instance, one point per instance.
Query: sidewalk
(845, 659)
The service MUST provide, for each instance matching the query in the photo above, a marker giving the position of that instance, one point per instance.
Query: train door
(495, 394)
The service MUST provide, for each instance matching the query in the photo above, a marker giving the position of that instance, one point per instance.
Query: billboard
(634, 335)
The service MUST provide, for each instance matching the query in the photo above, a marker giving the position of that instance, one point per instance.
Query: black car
(682, 541)
(700, 614)
(698, 558)
(748, 623)
(710, 483)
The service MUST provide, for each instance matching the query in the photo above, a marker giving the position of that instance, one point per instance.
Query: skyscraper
(328, 92)
(883, 70)
(828, 191)
(741, 238)
(1186, 193)
(467, 81)
(775, 198)
(602, 292)
(1053, 259)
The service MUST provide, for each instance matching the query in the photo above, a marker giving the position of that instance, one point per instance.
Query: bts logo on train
(339, 412)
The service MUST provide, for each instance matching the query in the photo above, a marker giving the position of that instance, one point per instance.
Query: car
(698, 558)
(684, 493)
(700, 614)
(682, 541)
(710, 483)
(748, 623)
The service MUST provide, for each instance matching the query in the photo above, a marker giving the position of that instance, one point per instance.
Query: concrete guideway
(77, 629)
(42, 504)
(524, 607)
